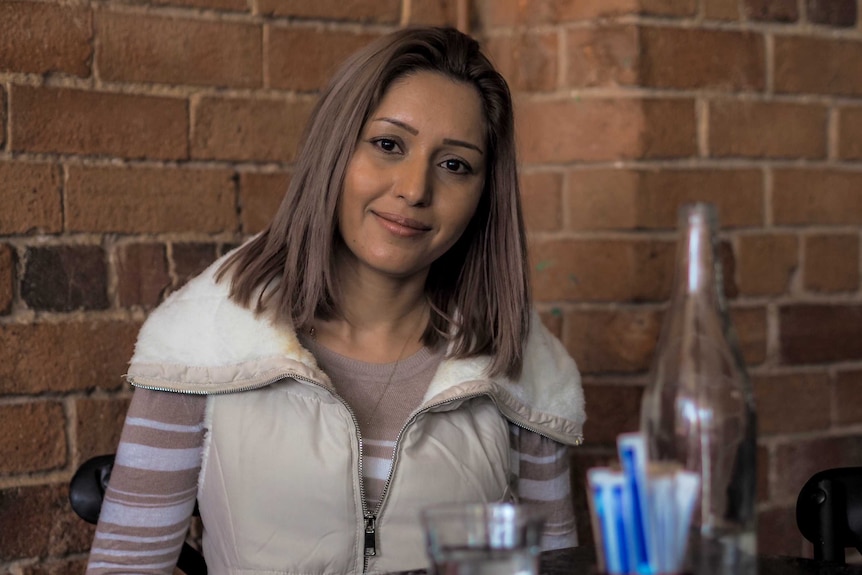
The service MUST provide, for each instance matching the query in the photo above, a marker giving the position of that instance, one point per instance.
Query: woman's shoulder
(200, 325)
(549, 391)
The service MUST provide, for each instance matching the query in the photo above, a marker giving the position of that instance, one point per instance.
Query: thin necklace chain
(371, 415)
(370, 418)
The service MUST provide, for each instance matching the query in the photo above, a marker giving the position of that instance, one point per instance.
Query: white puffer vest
(280, 489)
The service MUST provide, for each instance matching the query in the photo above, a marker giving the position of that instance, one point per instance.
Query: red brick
(494, 13)
(66, 356)
(322, 52)
(388, 11)
(98, 423)
(588, 129)
(766, 263)
(231, 5)
(528, 60)
(190, 259)
(832, 262)
(650, 199)
(799, 459)
(771, 10)
(602, 56)
(767, 129)
(2, 117)
(434, 13)
(37, 38)
(21, 450)
(260, 196)
(812, 333)
(44, 523)
(147, 200)
(142, 274)
(809, 410)
(848, 397)
(777, 533)
(31, 200)
(841, 13)
(751, 331)
(541, 194)
(602, 129)
(762, 474)
(850, 133)
(619, 340)
(602, 270)
(721, 9)
(668, 7)
(82, 122)
(8, 262)
(686, 58)
(65, 278)
(670, 128)
(817, 196)
(614, 409)
(818, 65)
(248, 130)
(139, 48)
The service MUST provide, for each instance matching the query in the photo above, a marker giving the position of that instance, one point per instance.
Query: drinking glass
(483, 538)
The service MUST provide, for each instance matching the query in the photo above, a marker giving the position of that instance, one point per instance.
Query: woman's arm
(541, 468)
(151, 495)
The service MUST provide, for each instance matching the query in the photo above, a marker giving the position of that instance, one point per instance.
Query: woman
(372, 352)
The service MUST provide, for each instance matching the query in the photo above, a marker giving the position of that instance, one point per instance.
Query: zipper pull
(370, 527)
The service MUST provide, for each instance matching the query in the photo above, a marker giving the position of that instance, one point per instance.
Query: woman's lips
(401, 226)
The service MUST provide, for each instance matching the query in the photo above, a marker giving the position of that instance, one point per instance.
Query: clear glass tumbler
(483, 539)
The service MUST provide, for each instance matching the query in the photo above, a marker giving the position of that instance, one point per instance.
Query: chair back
(829, 512)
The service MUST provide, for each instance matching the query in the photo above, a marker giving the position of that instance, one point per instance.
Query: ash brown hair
(479, 289)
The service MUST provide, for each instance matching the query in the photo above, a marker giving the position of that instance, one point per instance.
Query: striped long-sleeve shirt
(149, 502)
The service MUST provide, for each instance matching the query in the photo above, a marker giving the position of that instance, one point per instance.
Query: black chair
(829, 512)
(86, 491)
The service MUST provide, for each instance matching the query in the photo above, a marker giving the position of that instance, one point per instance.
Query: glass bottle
(698, 409)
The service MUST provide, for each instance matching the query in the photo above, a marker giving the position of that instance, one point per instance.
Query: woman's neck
(382, 318)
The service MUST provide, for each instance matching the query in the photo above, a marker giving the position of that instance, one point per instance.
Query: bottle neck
(697, 272)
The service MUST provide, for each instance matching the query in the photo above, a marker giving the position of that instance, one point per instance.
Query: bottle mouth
(701, 213)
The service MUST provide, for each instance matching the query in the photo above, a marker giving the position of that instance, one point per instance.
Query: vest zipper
(258, 385)
(370, 535)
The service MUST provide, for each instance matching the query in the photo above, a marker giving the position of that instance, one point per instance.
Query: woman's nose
(414, 185)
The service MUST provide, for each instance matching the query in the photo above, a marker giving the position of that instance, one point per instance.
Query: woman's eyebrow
(398, 123)
(414, 131)
(462, 144)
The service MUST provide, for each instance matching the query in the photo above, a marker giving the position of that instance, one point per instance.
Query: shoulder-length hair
(479, 289)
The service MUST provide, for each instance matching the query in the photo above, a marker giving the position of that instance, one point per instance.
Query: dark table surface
(581, 561)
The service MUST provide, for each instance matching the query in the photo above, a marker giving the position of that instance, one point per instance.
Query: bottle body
(698, 409)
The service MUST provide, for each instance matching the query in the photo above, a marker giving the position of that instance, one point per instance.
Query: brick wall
(140, 139)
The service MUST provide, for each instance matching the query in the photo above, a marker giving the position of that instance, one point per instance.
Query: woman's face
(416, 176)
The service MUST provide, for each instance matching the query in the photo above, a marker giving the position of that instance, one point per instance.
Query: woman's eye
(457, 167)
(387, 145)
